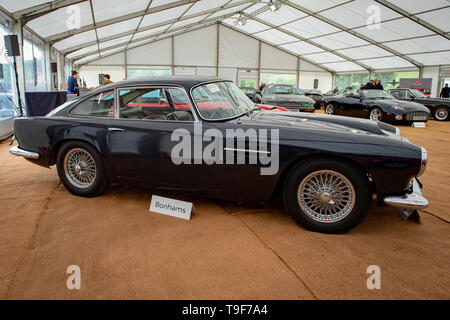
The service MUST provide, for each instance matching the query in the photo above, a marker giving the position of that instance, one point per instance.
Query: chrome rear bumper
(23, 153)
(413, 201)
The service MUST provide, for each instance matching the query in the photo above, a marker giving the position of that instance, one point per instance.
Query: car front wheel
(327, 196)
(376, 114)
(80, 169)
(441, 113)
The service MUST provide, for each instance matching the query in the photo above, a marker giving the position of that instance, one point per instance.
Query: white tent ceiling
(330, 33)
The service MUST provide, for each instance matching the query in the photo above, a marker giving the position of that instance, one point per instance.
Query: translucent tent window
(278, 78)
(29, 66)
(139, 72)
(390, 80)
(351, 81)
(34, 64)
(8, 96)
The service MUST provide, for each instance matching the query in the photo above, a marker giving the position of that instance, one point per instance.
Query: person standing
(445, 93)
(378, 85)
(106, 80)
(370, 85)
(336, 90)
(72, 83)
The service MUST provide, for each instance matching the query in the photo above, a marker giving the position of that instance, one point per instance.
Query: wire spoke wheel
(80, 168)
(326, 196)
(441, 114)
(375, 114)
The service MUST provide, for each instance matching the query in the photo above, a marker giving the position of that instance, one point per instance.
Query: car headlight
(398, 108)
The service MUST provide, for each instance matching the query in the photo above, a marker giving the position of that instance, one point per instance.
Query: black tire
(361, 191)
(330, 109)
(376, 109)
(441, 113)
(98, 184)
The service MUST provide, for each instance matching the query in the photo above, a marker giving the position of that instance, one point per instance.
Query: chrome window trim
(166, 86)
(69, 113)
(198, 109)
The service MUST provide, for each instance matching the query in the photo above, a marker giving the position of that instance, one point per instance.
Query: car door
(349, 105)
(242, 153)
(398, 94)
(142, 138)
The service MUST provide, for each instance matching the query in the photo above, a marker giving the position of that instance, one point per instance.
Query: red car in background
(269, 107)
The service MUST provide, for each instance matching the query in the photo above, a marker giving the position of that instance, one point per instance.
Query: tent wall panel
(90, 74)
(117, 59)
(306, 80)
(197, 47)
(228, 74)
(433, 73)
(273, 58)
(237, 50)
(306, 66)
(156, 53)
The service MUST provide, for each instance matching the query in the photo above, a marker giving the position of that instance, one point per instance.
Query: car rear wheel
(376, 114)
(80, 169)
(329, 109)
(327, 196)
(441, 113)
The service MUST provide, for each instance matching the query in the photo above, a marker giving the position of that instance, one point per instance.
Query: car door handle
(116, 129)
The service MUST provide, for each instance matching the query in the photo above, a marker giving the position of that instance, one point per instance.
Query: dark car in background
(327, 168)
(287, 96)
(376, 105)
(316, 95)
(438, 107)
(252, 93)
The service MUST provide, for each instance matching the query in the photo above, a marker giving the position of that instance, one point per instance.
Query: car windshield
(221, 100)
(376, 94)
(418, 94)
(283, 90)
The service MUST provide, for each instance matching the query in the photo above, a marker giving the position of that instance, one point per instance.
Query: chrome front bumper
(413, 201)
(23, 153)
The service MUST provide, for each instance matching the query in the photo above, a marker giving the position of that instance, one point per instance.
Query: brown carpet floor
(225, 252)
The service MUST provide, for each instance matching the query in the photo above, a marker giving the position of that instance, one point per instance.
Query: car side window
(100, 105)
(399, 94)
(154, 104)
(409, 95)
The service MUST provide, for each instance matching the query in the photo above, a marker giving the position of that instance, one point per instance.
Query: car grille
(417, 116)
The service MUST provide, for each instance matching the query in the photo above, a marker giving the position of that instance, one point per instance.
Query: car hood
(288, 98)
(319, 122)
(408, 105)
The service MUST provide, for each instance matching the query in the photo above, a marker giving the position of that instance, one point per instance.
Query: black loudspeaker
(12, 45)
(54, 67)
(316, 83)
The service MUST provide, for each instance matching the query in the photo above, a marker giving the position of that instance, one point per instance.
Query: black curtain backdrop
(41, 103)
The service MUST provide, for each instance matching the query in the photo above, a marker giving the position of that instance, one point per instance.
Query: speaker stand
(17, 87)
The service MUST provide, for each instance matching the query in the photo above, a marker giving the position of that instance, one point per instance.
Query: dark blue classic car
(204, 136)
(376, 105)
(439, 107)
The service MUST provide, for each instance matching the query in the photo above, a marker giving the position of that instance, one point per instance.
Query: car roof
(184, 81)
